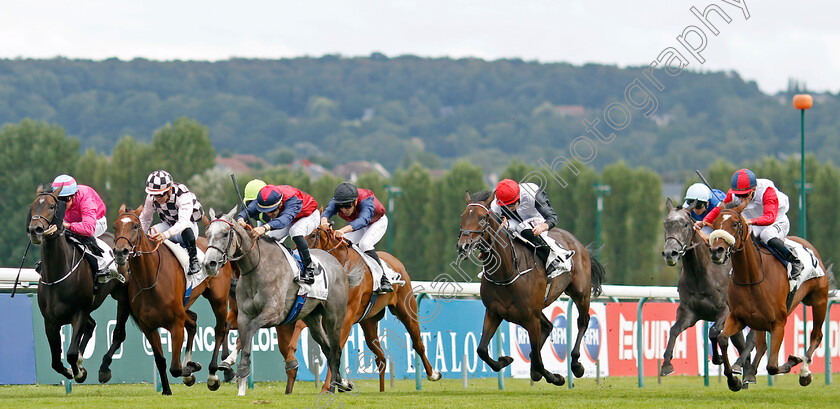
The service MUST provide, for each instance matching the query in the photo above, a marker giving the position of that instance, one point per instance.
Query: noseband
(51, 224)
(133, 252)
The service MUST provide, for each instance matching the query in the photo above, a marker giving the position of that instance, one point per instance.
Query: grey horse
(266, 293)
(702, 287)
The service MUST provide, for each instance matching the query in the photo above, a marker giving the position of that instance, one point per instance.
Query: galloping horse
(702, 289)
(266, 294)
(509, 292)
(66, 292)
(401, 302)
(758, 295)
(156, 287)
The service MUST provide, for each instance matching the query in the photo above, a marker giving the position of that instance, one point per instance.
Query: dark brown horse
(156, 287)
(66, 292)
(758, 295)
(513, 285)
(702, 287)
(401, 302)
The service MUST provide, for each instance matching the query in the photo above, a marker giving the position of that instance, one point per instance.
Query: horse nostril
(212, 265)
(674, 253)
(38, 230)
(124, 252)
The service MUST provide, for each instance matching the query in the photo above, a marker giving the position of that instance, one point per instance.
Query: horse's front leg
(777, 335)
(491, 323)
(818, 310)
(74, 357)
(545, 330)
(53, 332)
(685, 318)
(582, 305)
(117, 339)
(248, 327)
(189, 366)
(759, 338)
(730, 327)
(220, 312)
(160, 361)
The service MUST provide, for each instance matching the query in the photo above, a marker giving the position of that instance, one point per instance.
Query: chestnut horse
(66, 293)
(702, 289)
(400, 302)
(758, 295)
(156, 287)
(513, 285)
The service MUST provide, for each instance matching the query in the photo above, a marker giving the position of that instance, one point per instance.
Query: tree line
(425, 216)
(400, 110)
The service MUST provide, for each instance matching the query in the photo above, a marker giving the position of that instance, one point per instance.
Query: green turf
(674, 392)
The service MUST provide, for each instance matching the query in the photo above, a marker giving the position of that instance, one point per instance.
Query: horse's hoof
(189, 380)
(748, 379)
(737, 370)
(805, 380)
(535, 376)
(195, 366)
(229, 374)
(667, 369)
(213, 383)
(435, 376)
(745, 386)
(80, 378)
(505, 361)
(794, 360)
(104, 376)
(167, 392)
(717, 360)
(734, 384)
(559, 380)
(577, 369)
(224, 366)
(344, 386)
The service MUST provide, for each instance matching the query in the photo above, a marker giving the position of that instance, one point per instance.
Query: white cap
(699, 192)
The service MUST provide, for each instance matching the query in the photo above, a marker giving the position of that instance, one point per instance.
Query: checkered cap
(158, 182)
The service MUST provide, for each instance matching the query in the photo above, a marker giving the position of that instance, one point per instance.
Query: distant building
(314, 170)
(241, 163)
(351, 171)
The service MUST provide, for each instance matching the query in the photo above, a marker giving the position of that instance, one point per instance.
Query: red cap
(507, 191)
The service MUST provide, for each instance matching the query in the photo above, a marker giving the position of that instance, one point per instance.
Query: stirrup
(191, 271)
(105, 276)
(385, 286)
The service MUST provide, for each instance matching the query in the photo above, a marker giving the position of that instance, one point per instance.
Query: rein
(135, 253)
(730, 251)
(483, 232)
(75, 266)
(225, 257)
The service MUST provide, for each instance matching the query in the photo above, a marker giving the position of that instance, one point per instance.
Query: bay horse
(266, 293)
(156, 285)
(758, 295)
(513, 285)
(66, 293)
(400, 302)
(702, 287)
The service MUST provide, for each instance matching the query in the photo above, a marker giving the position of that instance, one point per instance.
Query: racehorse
(758, 295)
(266, 294)
(367, 308)
(509, 292)
(156, 287)
(66, 293)
(702, 288)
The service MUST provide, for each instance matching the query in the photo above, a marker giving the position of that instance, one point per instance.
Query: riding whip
(706, 182)
(238, 193)
(17, 279)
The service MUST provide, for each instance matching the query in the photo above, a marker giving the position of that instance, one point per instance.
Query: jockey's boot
(796, 265)
(189, 240)
(307, 276)
(384, 285)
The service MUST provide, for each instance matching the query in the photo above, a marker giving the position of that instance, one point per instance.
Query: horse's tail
(832, 282)
(355, 275)
(598, 272)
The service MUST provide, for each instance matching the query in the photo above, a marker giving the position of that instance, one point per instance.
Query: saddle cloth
(318, 290)
(184, 258)
(95, 248)
(376, 270)
(810, 264)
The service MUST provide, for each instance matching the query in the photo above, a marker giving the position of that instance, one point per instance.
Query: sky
(778, 41)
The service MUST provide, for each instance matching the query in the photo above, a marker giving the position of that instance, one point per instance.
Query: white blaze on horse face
(126, 220)
(42, 200)
(726, 217)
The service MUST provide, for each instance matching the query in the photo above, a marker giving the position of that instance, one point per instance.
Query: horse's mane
(482, 196)
(732, 205)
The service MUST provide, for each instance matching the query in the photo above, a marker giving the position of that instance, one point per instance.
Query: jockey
(529, 212)
(179, 210)
(700, 200)
(368, 222)
(252, 189)
(85, 216)
(766, 213)
(290, 212)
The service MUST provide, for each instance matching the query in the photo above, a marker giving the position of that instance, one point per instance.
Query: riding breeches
(367, 237)
(778, 230)
(164, 226)
(302, 227)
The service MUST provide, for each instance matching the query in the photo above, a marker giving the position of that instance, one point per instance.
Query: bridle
(740, 242)
(337, 245)
(485, 222)
(227, 254)
(684, 247)
(133, 252)
(51, 226)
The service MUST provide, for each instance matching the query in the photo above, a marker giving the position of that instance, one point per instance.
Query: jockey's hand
(158, 237)
(258, 231)
(241, 222)
(66, 225)
(750, 222)
(540, 228)
(338, 234)
(325, 225)
(699, 225)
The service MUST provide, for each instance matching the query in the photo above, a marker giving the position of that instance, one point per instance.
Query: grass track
(674, 392)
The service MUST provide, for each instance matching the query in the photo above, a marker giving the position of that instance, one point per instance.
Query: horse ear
(40, 189)
(232, 213)
(212, 213)
(467, 196)
(490, 198)
(139, 210)
(122, 208)
(669, 204)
